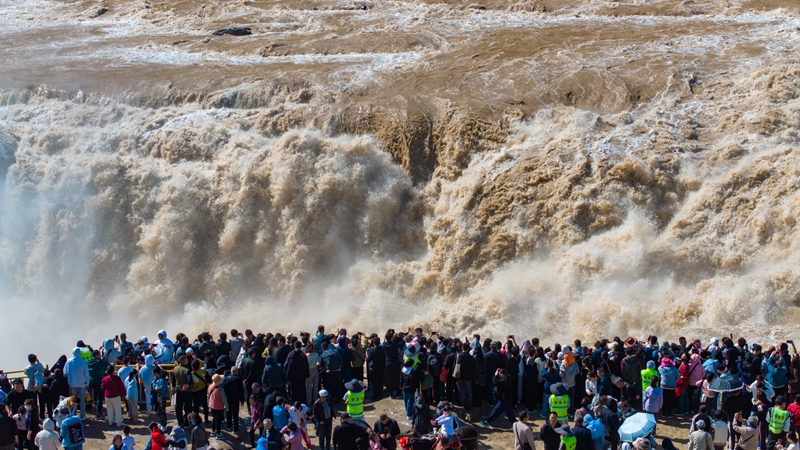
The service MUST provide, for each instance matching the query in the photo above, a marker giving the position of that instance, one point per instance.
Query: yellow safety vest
(559, 404)
(647, 376)
(355, 404)
(570, 442)
(777, 420)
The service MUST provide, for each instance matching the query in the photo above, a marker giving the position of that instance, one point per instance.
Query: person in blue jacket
(776, 373)
(72, 434)
(77, 371)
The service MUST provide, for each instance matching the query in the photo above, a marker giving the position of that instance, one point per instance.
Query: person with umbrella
(568, 439)
(639, 425)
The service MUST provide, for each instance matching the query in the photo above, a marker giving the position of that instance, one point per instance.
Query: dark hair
(523, 415)
(703, 408)
(31, 358)
(779, 400)
(110, 370)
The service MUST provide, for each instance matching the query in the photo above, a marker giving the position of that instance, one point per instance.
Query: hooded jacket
(653, 400)
(776, 373)
(297, 365)
(97, 370)
(668, 374)
(77, 370)
(47, 439)
(110, 352)
(696, 374)
(166, 349)
(146, 372)
(273, 376)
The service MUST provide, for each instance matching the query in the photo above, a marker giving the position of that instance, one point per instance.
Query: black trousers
(376, 383)
(393, 379)
(298, 390)
(232, 416)
(216, 424)
(183, 406)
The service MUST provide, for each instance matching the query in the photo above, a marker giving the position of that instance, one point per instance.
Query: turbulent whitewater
(553, 168)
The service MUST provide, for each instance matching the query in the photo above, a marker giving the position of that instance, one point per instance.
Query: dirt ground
(99, 434)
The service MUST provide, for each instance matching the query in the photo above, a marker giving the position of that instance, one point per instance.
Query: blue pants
(545, 404)
(324, 431)
(503, 405)
(408, 399)
(80, 392)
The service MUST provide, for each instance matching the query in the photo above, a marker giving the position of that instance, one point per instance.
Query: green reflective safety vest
(647, 375)
(355, 404)
(777, 420)
(559, 404)
(570, 442)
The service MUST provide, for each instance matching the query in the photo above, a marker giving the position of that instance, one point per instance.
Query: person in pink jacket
(218, 404)
(292, 436)
(696, 374)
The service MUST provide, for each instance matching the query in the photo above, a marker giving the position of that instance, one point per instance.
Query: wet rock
(233, 32)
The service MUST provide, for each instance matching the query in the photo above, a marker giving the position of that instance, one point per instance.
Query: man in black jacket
(376, 366)
(283, 350)
(248, 370)
(8, 430)
(494, 360)
(387, 430)
(297, 372)
(232, 386)
(582, 434)
(345, 435)
(469, 373)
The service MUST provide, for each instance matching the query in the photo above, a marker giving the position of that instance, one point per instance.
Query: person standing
(35, 373)
(323, 412)
(77, 371)
(8, 429)
(779, 422)
(159, 396)
(235, 395)
(97, 370)
(132, 395)
(236, 342)
(376, 368)
(358, 347)
(182, 387)
(354, 399)
(748, 434)
(345, 435)
(312, 382)
(388, 430)
(47, 439)
(218, 403)
(523, 436)
(700, 439)
(72, 433)
(297, 372)
(114, 391)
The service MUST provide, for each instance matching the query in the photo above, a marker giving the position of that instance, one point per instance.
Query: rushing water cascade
(563, 169)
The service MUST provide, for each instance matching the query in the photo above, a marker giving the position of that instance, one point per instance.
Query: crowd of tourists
(737, 396)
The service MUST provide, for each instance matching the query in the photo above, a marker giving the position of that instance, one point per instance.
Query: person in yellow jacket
(559, 401)
(779, 421)
(568, 439)
(199, 387)
(648, 374)
(354, 399)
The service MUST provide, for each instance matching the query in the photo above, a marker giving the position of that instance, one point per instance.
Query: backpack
(433, 365)
(457, 367)
(333, 361)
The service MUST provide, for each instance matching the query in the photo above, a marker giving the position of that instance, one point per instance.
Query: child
(32, 427)
(280, 417)
(128, 441)
(792, 438)
(375, 442)
(19, 417)
(591, 385)
(132, 395)
(447, 422)
(159, 394)
(116, 443)
(298, 414)
(720, 431)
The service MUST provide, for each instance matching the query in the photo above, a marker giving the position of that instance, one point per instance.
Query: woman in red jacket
(114, 390)
(157, 439)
